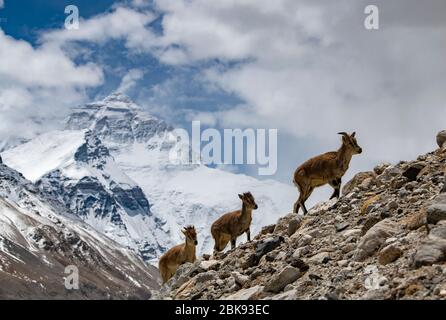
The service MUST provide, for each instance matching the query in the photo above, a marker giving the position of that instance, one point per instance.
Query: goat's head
(191, 234)
(350, 142)
(248, 200)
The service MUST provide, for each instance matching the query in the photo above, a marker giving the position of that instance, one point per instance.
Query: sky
(307, 68)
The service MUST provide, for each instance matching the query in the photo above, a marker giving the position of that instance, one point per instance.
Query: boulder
(320, 258)
(438, 231)
(381, 167)
(415, 220)
(267, 245)
(240, 278)
(281, 280)
(209, 264)
(356, 181)
(245, 294)
(293, 225)
(429, 252)
(341, 226)
(374, 238)
(301, 240)
(413, 170)
(206, 276)
(389, 254)
(436, 211)
(441, 138)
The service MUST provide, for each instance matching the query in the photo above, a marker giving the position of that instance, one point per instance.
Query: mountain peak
(116, 118)
(120, 100)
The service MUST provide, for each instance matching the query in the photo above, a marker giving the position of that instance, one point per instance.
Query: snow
(38, 157)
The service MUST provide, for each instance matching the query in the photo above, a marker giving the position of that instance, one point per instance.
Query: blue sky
(308, 69)
(26, 18)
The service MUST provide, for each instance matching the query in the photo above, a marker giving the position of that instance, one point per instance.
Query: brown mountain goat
(325, 168)
(176, 256)
(233, 224)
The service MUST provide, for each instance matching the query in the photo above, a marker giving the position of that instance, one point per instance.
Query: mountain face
(384, 238)
(110, 167)
(39, 239)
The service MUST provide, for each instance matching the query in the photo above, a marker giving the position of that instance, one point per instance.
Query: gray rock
(374, 238)
(357, 181)
(209, 264)
(381, 167)
(303, 240)
(300, 252)
(340, 226)
(437, 210)
(240, 278)
(268, 245)
(206, 276)
(441, 138)
(294, 225)
(320, 258)
(245, 294)
(438, 232)
(430, 251)
(281, 280)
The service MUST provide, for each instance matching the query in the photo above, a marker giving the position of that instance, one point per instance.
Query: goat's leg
(305, 196)
(233, 243)
(248, 234)
(300, 201)
(296, 206)
(336, 184)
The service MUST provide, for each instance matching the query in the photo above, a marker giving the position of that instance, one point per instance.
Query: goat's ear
(353, 134)
(240, 196)
(183, 231)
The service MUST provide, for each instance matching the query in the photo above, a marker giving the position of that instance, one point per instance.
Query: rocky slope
(38, 240)
(385, 238)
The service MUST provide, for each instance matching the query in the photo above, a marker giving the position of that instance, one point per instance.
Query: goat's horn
(343, 133)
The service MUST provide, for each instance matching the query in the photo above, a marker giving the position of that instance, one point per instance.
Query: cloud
(2, 4)
(130, 80)
(311, 69)
(120, 24)
(36, 83)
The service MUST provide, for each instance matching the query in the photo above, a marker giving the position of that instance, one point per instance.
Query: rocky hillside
(385, 238)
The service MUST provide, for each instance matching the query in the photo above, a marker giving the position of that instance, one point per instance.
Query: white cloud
(45, 66)
(36, 83)
(130, 80)
(121, 23)
(314, 70)
(2, 4)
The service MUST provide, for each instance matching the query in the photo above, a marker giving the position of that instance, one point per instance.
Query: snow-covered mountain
(110, 151)
(38, 240)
